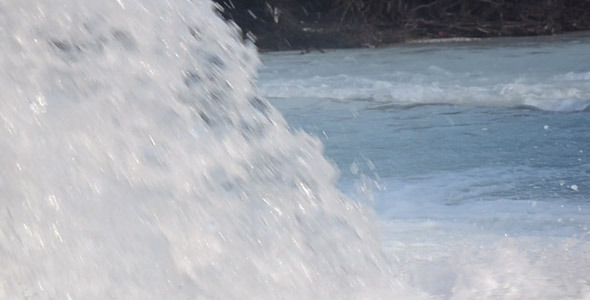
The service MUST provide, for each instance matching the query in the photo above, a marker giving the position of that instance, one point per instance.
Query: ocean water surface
(476, 156)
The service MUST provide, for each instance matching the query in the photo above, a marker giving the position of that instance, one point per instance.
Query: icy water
(476, 155)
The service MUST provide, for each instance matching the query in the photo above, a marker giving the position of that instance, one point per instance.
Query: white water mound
(137, 163)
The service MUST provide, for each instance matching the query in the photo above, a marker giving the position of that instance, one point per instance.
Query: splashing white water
(552, 96)
(491, 74)
(137, 163)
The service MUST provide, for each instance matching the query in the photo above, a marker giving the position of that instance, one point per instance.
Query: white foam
(464, 236)
(484, 73)
(138, 164)
(555, 96)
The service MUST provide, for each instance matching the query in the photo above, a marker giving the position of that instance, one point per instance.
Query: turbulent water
(137, 162)
(477, 154)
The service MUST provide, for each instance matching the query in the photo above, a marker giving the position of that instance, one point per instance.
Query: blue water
(542, 149)
(464, 148)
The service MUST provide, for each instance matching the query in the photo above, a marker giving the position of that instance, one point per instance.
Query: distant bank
(309, 25)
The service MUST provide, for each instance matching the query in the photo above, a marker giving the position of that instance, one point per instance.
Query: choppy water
(478, 155)
(137, 162)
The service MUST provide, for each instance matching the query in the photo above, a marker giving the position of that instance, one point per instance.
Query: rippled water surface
(478, 155)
